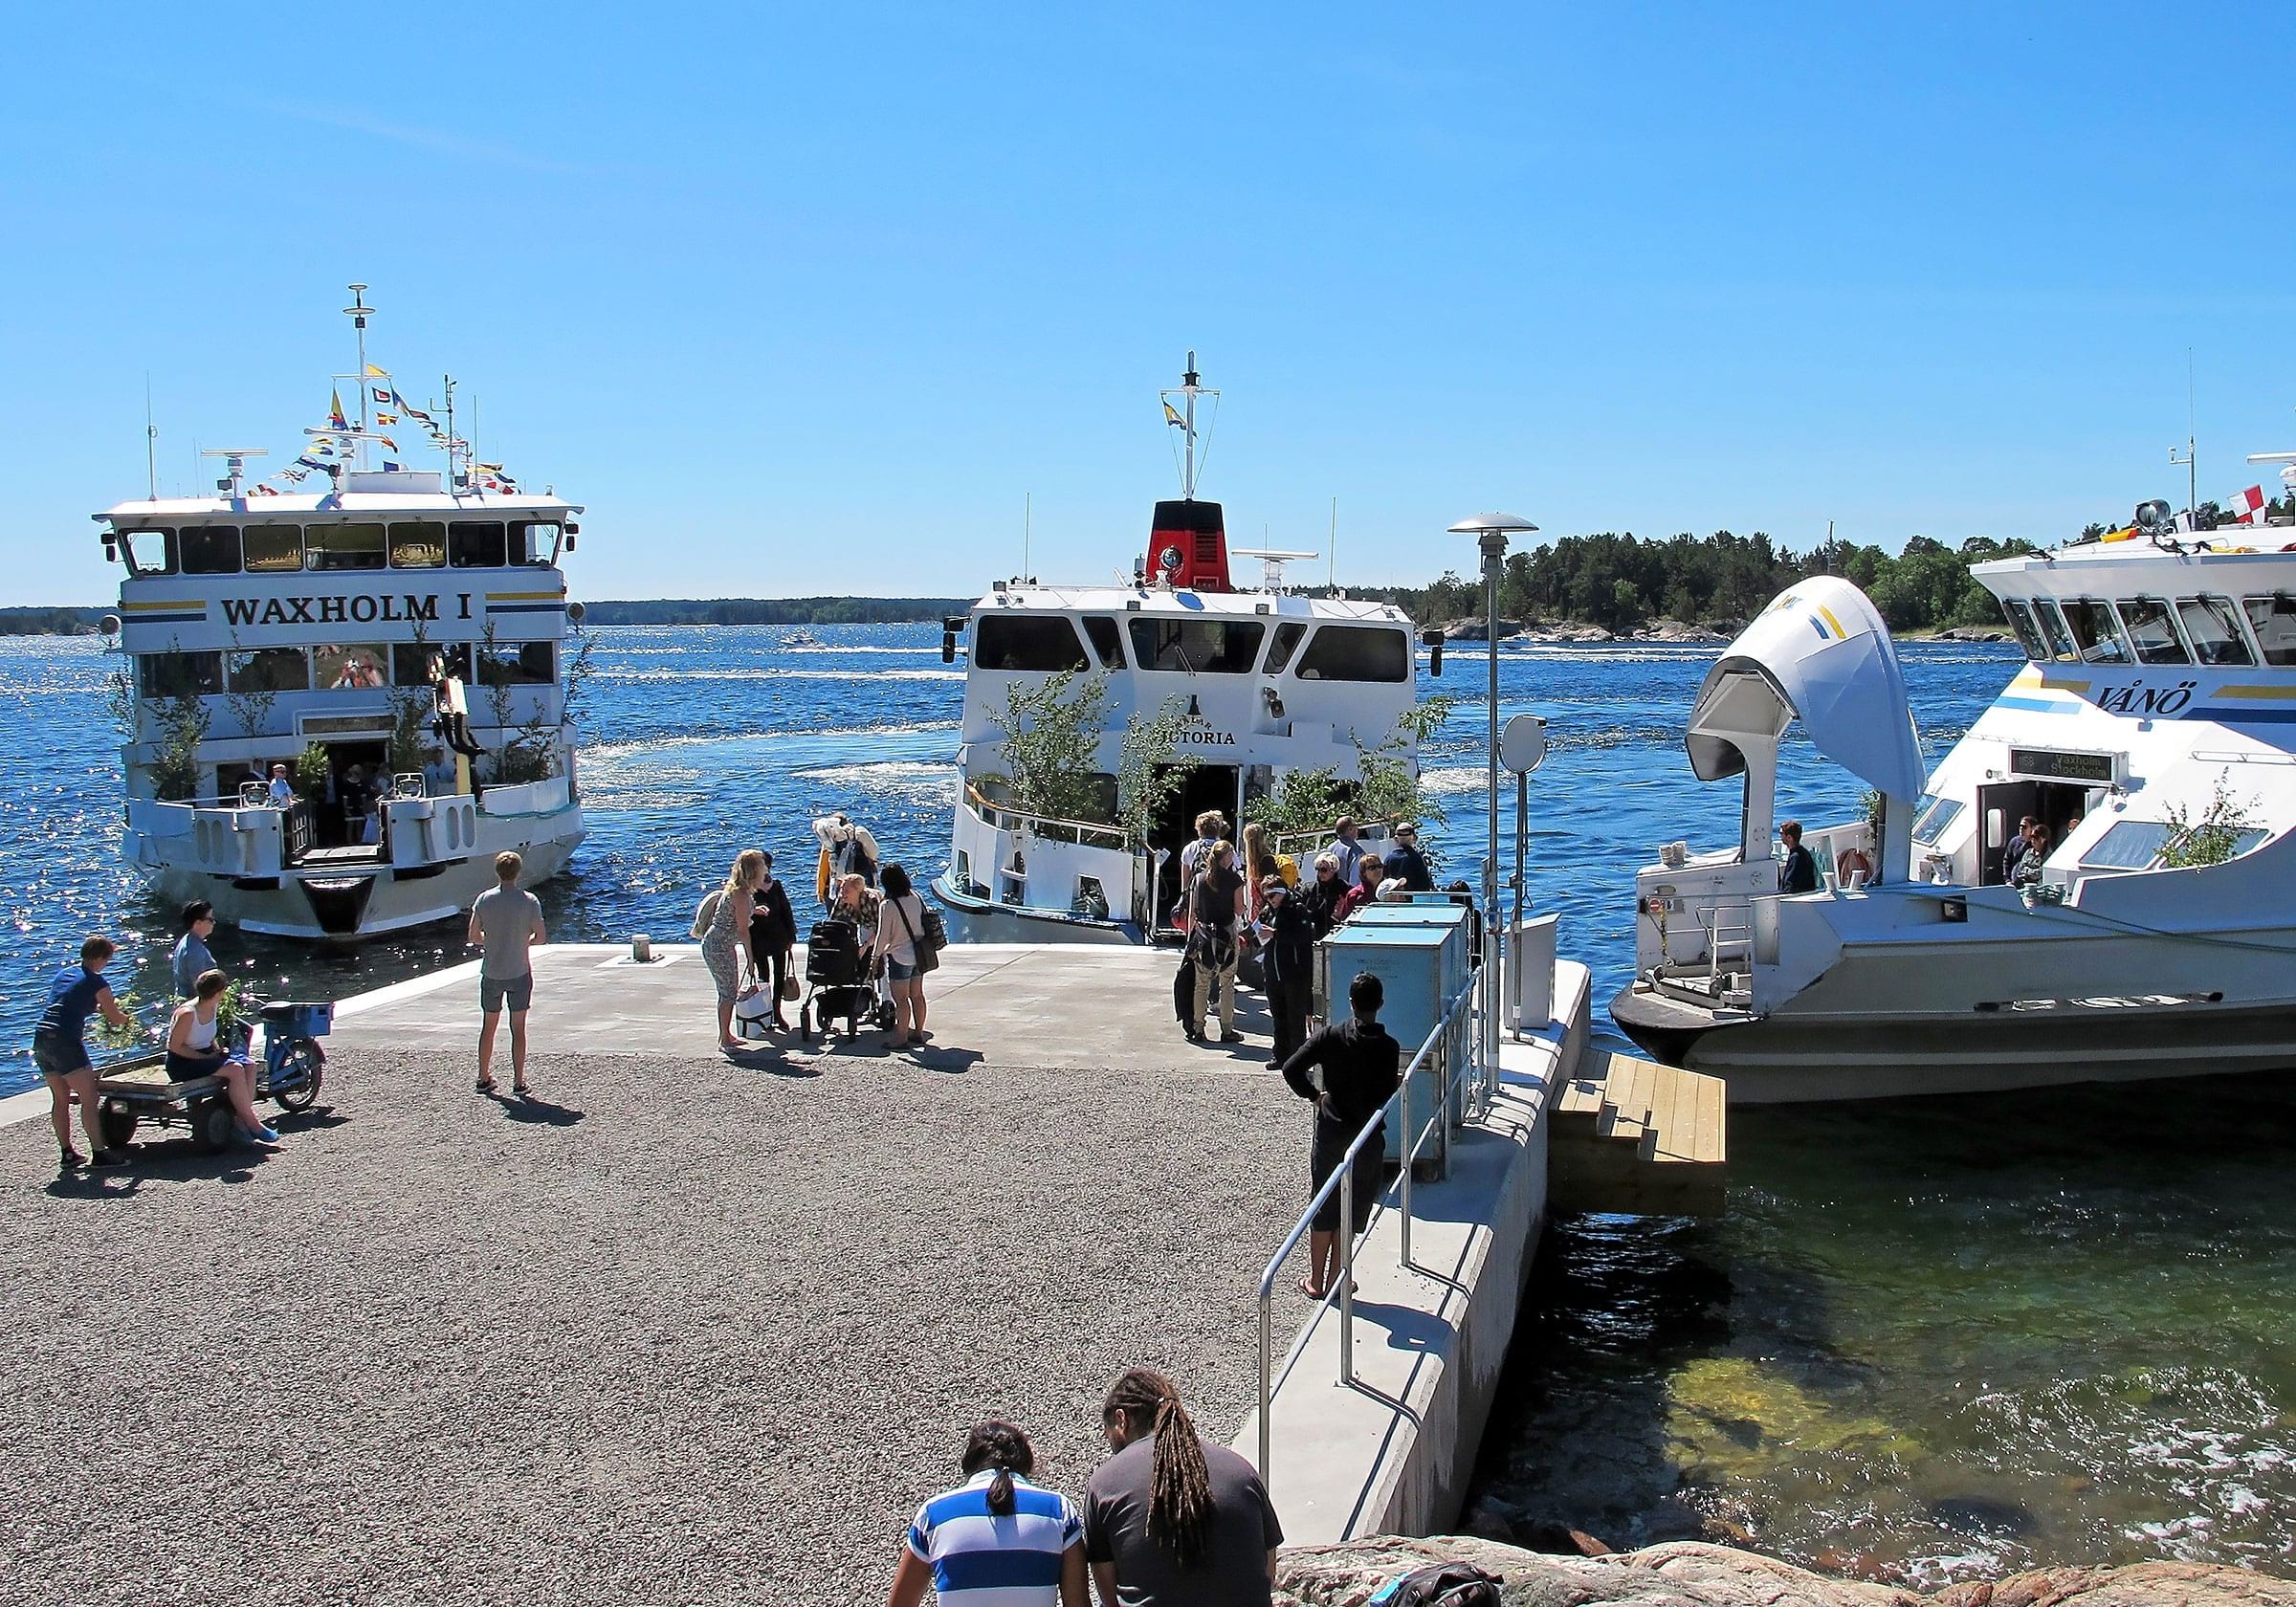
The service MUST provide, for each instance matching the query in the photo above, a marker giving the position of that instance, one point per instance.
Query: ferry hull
(990, 922)
(397, 902)
(1785, 1057)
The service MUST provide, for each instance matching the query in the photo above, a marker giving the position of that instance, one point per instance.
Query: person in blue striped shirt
(997, 1540)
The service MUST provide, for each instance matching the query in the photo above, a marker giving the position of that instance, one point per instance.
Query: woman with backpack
(907, 954)
(1216, 915)
(722, 924)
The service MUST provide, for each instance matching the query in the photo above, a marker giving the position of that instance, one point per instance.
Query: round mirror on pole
(1523, 743)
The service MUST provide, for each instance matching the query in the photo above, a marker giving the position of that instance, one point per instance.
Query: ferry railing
(1314, 840)
(1457, 1017)
(1004, 817)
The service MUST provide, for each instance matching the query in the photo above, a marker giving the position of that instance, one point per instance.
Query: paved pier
(683, 1328)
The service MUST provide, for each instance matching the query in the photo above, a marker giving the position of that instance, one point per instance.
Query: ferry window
(516, 664)
(268, 669)
(534, 541)
(1288, 637)
(1107, 640)
(2127, 845)
(1936, 816)
(2273, 619)
(174, 675)
(208, 549)
(2213, 627)
(2028, 635)
(2151, 632)
(475, 545)
(1214, 647)
(345, 547)
(1032, 642)
(421, 545)
(1356, 652)
(2095, 633)
(148, 552)
(350, 666)
(410, 661)
(272, 549)
(2052, 625)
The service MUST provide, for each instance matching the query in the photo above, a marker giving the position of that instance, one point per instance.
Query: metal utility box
(1420, 955)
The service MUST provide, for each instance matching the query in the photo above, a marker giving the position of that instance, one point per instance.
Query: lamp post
(1490, 531)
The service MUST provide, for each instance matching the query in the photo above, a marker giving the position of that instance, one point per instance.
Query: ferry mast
(1184, 416)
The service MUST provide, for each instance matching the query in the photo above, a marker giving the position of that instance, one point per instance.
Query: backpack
(937, 930)
(1444, 1584)
(705, 913)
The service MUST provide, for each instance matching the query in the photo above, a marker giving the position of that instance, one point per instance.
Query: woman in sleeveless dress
(193, 1051)
(723, 944)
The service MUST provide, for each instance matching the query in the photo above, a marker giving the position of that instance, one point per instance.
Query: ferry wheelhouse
(327, 631)
(2152, 733)
(1270, 682)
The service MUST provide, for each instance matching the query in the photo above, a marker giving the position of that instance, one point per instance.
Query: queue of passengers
(1235, 904)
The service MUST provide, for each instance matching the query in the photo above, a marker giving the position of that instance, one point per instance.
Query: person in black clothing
(772, 935)
(1216, 915)
(1293, 926)
(1799, 872)
(1322, 891)
(1361, 1070)
(1406, 865)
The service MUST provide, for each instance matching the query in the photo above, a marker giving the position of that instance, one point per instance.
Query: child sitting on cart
(196, 1048)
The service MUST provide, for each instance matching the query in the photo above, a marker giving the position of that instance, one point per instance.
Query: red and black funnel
(1188, 546)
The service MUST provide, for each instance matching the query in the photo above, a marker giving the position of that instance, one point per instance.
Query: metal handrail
(1437, 1037)
(988, 811)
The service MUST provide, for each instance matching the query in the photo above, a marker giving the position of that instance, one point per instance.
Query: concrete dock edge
(1392, 1451)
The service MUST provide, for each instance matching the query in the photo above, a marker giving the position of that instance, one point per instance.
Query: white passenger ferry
(2152, 734)
(1270, 682)
(323, 631)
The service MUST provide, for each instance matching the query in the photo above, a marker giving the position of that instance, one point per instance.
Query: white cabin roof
(1156, 599)
(167, 510)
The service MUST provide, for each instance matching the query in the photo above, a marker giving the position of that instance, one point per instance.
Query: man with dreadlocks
(1170, 1521)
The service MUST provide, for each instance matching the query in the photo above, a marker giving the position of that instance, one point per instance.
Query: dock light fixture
(1490, 531)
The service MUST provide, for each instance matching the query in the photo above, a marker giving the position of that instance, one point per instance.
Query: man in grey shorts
(505, 922)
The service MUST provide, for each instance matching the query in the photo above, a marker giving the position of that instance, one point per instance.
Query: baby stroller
(838, 983)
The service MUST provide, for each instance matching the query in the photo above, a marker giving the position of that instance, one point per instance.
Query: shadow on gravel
(541, 1112)
(771, 1058)
(952, 1063)
(174, 1161)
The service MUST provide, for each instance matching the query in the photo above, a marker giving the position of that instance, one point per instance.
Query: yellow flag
(1172, 415)
(375, 373)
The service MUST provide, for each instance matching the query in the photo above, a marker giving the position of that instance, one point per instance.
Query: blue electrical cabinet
(1420, 966)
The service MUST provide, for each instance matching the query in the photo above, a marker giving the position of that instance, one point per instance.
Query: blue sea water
(1925, 1340)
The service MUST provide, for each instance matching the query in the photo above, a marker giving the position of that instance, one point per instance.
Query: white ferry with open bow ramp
(2152, 737)
(396, 639)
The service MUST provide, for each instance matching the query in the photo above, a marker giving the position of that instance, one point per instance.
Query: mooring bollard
(641, 949)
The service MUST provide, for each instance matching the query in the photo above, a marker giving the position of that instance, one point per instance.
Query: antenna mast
(151, 444)
(357, 313)
(1027, 525)
(453, 469)
(1189, 389)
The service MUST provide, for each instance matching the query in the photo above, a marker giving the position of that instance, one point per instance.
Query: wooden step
(1632, 1137)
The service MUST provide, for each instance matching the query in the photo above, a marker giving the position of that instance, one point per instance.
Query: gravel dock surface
(678, 1330)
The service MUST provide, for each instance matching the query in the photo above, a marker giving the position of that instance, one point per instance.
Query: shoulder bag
(926, 958)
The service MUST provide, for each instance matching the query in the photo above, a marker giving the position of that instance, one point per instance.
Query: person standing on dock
(59, 1047)
(1361, 1064)
(1293, 926)
(997, 1540)
(1345, 851)
(1170, 1521)
(506, 922)
(1215, 918)
(772, 936)
(724, 932)
(1407, 866)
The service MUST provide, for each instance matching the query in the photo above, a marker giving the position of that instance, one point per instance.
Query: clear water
(1926, 1341)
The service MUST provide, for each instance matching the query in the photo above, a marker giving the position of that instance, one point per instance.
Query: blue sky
(804, 301)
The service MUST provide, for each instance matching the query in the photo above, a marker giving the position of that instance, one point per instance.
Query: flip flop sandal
(486, 1085)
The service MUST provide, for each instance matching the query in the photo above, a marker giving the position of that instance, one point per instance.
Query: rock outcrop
(1691, 1573)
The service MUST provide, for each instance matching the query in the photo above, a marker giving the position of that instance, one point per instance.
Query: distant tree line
(49, 622)
(1623, 582)
(777, 610)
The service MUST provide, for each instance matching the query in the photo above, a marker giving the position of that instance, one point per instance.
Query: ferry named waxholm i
(346, 687)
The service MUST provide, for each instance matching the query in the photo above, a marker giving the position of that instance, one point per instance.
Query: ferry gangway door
(1422, 964)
